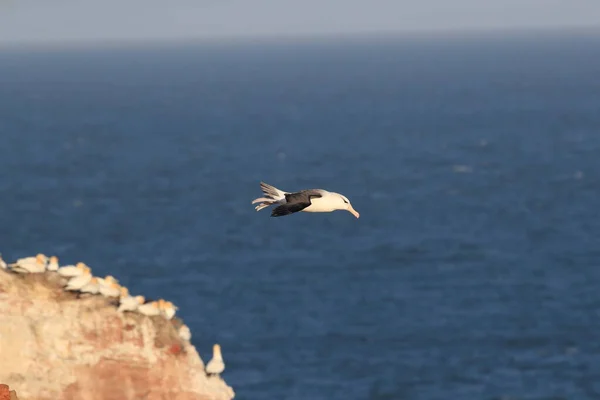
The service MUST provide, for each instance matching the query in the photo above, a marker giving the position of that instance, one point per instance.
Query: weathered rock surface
(54, 345)
(6, 394)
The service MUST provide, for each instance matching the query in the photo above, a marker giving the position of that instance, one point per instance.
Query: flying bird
(309, 200)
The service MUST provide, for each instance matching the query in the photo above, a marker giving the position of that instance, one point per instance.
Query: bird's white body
(78, 282)
(216, 365)
(30, 265)
(3, 264)
(328, 203)
(69, 271)
(53, 264)
(29, 268)
(110, 289)
(127, 304)
(167, 309)
(149, 309)
(130, 303)
(185, 333)
(29, 260)
(92, 287)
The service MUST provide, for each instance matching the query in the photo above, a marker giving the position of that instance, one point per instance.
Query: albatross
(309, 200)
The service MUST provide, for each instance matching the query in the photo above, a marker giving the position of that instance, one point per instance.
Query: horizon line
(448, 34)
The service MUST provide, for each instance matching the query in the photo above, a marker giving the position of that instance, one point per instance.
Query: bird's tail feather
(264, 205)
(264, 202)
(272, 195)
(261, 199)
(272, 192)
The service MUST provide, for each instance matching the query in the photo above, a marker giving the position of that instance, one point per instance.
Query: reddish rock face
(4, 393)
(62, 347)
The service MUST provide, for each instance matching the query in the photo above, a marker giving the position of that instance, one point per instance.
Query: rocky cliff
(60, 345)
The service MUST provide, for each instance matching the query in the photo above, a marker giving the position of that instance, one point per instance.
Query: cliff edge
(57, 345)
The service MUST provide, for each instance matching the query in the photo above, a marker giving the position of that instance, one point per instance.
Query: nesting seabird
(69, 271)
(168, 309)
(149, 309)
(53, 264)
(77, 283)
(108, 279)
(309, 200)
(3, 264)
(31, 260)
(185, 333)
(129, 303)
(92, 287)
(216, 365)
(30, 265)
(109, 288)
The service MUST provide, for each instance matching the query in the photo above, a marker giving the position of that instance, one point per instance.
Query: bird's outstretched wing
(287, 209)
(295, 202)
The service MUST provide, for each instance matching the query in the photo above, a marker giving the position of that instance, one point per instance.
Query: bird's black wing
(295, 202)
(287, 209)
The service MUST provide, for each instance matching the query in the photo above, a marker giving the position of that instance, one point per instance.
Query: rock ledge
(56, 345)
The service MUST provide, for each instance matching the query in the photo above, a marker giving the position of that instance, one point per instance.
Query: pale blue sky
(61, 21)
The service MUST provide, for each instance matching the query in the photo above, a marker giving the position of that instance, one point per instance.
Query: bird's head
(217, 351)
(169, 304)
(342, 203)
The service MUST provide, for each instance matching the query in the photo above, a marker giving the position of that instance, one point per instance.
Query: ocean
(472, 273)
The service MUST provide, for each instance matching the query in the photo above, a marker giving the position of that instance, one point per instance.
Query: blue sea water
(473, 272)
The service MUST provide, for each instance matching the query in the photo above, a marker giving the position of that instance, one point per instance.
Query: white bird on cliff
(150, 309)
(53, 264)
(109, 287)
(112, 290)
(124, 293)
(30, 265)
(168, 309)
(185, 333)
(69, 271)
(216, 365)
(107, 280)
(3, 264)
(78, 282)
(130, 303)
(30, 260)
(92, 286)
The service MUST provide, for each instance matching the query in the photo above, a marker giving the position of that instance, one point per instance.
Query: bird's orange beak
(354, 212)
